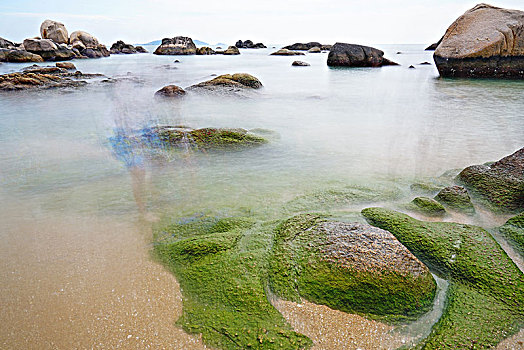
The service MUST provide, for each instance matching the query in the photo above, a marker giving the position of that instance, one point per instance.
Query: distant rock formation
(121, 47)
(55, 31)
(351, 55)
(48, 50)
(248, 44)
(307, 46)
(486, 42)
(88, 45)
(179, 45)
(286, 52)
(206, 50)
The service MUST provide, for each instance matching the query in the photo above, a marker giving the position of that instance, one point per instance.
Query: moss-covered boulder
(223, 281)
(204, 139)
(427, 206)
(229, 82)
(425, 188)
(513, 230)
(350, 267)
(501, 184)
(487, 289)
(456, 198)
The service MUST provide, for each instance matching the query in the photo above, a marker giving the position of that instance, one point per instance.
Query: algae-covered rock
(457, 198)
(351, 267)
(229, 82)
(500, 184)
(487, 288)
(513, 230)
(427, 206)
(426, 188)
(224, 285)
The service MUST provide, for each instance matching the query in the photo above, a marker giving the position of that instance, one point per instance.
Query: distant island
(197, 42)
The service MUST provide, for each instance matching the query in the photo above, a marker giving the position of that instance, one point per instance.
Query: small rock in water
(300, 64)
(65, 65)
(425, 63)
(176, 61)
(170, 91)
(411, 67)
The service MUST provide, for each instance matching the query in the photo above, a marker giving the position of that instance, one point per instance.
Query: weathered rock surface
(434, 46)
(36, 77)
(248, 44)
(179, 45)
(232, 50)
(486, 41)
(228, 82)
(8, 55)
(513, 230)
(48, 50)
(286, 52)
(6, 44)
(307, 46)
(457, 198)
(140, 49)
(351, 267)
(501, 184)
(315, 49)
(427, 206)
(205, 50)
(300, 64)
(88, 45)
(55, 31)
(65, 65)
(121, 47)
(170, 91)
(351, 55)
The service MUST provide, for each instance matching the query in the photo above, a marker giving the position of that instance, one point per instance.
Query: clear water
(334, 126)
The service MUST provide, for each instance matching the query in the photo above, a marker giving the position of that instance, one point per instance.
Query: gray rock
(351, 55)
(179, 45)
(300, 64)
(55, 31)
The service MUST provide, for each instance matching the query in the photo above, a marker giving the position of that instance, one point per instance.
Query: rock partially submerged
(300, 64)
(232, 50)
(513, 230)
(48, 50)
(205, 50)
(229, 82)
(286, 52)
(456, 198)
(427, 206)
(179, 45)
(351, 55)
(486, 41)
(351, 267)
(315, 49)
(171, 91)
(500, 184)
(36, 77)
(121, 47)
(8, 55)
(248, 44)
(66, 65)
(307, 46)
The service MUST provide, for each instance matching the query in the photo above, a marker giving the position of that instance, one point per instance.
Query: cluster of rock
(315, 46)
(351, 55)
(286, 52)
(121, 47)
(248, 44)
(54, 44)
(182, 45)
(486, 41)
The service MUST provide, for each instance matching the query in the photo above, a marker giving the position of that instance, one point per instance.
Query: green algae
(513, 230)
(221, 267)
(456, 198)
(297, 270)
(426, 188)
(486, 288)
(427, 206)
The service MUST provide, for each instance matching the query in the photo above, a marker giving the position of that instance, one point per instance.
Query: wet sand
(84, 282)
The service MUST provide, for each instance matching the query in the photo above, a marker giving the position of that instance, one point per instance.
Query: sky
(226, 21)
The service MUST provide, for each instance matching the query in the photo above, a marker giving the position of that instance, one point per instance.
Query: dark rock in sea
(248, 44)
(179, 45)
(513, 230)
(65, 65)
(307, 46)
(434, 46)
(232, 50)
(170, 91)
(485, 42)
(176, 61)
(300, 64)
(121, 47)
(500, 184)
(399, 53)
(6, 44)
(286, 52)
(427, 206)
(8, 55)
(48, 50)
(205, 50)
(55, 31)
(88, 45)
(351, 267)
(140, 49)
(457, 198)
(315, 49)
(228, 82)
(425, 64)
(411, 67)
(351, 55)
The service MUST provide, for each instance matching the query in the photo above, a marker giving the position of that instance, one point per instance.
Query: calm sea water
(333, 126)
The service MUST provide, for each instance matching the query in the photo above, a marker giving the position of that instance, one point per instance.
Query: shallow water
(62, 189)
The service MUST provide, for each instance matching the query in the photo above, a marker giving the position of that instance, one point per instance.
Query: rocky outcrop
(248, 44)
(286, 52)
(486, 41)
(434, 46)
(351, 267)
(205, 50)
(179, 45)
(307, 46)
(457, 198)
(315, 49)
(427, 206)
(121, 47)
(8, 55)
(48, 50)
(140, 49)
(88, 45)
(170, 91)
(351, 55)
(300, 64)
(66, 65)
(55, 31)
(6, 44)
(232, 50)
(513, 230)
(229, 82)
(500, 184)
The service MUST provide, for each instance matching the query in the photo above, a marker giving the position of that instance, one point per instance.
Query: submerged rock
(486, 41)
(140, 49)
(286, 52)
(229, 82)
(351, 267)
(315, 49)
(500, 184)
(38, 79)
(300, 63)
(513, 230)
(55, 31)
(351, 55)
(121, 47)
(170, 91)
(179, 45)
(248, 44)
(457, 198)
(205, 51)
(425, 188)
(427, 206)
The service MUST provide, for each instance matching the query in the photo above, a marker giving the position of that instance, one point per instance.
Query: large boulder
(48, 50)
(55, 31)
(205, 50)
(229, 82)
(351, 55)
(351, 267)
(304, 46)
(486, 41)
(513, 230)
(6, 44)
(88, 45)
(501, 184)
(7, 55)
(179, 45)
(121, 47)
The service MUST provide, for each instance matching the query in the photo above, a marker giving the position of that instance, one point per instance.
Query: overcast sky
(268, 21)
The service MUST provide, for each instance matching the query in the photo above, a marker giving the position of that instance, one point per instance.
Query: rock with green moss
(427, 206)
(351, 267)
(426, 188)
(229, 83)
(487, 289)
(456, 198)
(500, 184)
(202, 139)
(513, 230)
(223, 282)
